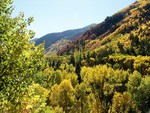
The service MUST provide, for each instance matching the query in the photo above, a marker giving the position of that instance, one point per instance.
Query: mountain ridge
(53, 38)
(126, 21)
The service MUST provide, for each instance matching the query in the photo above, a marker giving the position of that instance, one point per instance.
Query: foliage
(63, 95)
(139, 87)
(125, 32)
(35, 99)
(113, 78)
(19, 59)
(123, 103)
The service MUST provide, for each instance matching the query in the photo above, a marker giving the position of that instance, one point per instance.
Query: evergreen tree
(72, 60)
(78, 70)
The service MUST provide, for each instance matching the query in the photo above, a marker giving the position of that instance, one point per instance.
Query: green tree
(35, 100)
(123, 103)
(103, 82)
(19, 58)
(72, 60)
(78, 70)
(81, 96)
(63, 95)
(140, 89)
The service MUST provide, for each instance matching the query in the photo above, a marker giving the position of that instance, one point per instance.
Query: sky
(60, 15)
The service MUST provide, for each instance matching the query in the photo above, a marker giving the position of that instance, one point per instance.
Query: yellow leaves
(139, 63)
(143, 27)
(35, 98)
(65, 85)
(123, 103)
(29, 107)
(100, 74)
(134, 79)
(103, 89)
(103, 83)
(81, 89)
(108, 89)
(95, 74)
(63, 95)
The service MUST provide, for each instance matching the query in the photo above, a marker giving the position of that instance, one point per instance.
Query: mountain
(56, 41)
(57, 46)
(34, 39)
(125, 32)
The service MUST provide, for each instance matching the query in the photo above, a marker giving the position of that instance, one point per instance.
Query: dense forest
(103, 71)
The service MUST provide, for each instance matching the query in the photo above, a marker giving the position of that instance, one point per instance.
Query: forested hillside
(106, 70)
(55, 41)
(125, 32)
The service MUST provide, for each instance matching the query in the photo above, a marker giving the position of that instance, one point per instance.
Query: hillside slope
(126, 32)
(111, 62)
(57, 46)
(53, 38)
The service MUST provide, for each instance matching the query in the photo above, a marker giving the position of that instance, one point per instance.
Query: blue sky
(59, 15)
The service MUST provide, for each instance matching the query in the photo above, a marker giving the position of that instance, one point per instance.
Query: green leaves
(139, 87)
(35, 98)
(30, 20)
(19, 58)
